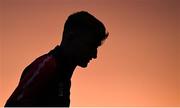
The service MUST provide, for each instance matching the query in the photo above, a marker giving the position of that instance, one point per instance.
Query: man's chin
(83, 65)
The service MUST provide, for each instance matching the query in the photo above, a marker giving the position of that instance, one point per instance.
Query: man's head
(82, 35)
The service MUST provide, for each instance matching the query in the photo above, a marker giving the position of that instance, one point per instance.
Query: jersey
(44, 83)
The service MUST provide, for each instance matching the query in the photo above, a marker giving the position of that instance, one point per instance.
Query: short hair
(83, 22)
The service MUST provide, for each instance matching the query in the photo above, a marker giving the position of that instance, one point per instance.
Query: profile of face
(86, 56)
(84, 50)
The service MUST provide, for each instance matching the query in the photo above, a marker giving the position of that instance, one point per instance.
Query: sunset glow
(138, 65)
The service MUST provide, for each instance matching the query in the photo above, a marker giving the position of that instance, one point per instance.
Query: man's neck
(67, 61)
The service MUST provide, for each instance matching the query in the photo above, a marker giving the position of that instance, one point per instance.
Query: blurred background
(138, 65)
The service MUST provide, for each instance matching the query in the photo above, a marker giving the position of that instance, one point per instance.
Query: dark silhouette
(47, 80)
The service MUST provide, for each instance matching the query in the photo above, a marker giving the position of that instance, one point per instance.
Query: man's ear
(70, 36)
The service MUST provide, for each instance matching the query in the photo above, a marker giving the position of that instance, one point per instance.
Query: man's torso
(43, 83)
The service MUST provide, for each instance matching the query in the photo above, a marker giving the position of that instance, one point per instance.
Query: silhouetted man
(47, 80)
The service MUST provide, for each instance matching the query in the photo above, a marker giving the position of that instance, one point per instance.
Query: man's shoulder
(46, 58)
(43, 60)
(44, 63)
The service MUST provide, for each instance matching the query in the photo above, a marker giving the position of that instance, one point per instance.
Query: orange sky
(139, 64)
